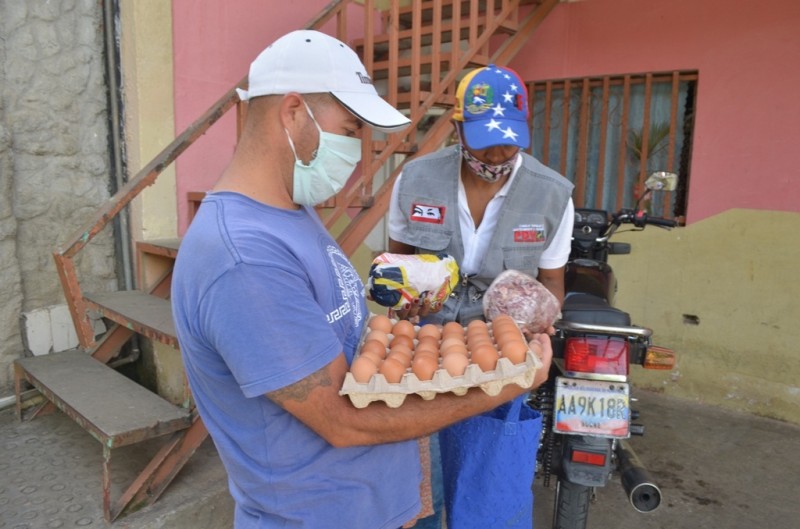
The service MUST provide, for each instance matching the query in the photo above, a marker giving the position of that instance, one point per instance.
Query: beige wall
(146, 55)
(149, 114)
(735, 272)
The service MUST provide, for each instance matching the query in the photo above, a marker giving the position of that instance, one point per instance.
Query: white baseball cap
(308, 62)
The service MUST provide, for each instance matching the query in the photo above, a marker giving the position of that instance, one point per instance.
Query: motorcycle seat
(592, 310)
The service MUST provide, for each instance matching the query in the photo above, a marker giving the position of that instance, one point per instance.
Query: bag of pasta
(397, 279)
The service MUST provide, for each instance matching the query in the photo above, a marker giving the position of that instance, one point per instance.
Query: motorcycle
(586, 402)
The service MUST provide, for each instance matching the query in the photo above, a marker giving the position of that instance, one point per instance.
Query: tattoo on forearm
(299, 390)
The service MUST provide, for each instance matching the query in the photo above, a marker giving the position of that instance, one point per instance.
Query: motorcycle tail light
(597, 354)
(659, 358)
(588, 458)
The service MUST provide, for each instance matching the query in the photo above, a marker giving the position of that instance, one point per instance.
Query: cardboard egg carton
(378, 388)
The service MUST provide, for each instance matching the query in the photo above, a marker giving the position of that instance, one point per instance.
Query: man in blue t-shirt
(269, 310)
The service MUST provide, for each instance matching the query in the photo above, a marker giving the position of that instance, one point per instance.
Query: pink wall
(214, 43)
(747, 52)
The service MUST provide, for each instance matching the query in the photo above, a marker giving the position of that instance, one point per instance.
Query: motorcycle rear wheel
(571, 509)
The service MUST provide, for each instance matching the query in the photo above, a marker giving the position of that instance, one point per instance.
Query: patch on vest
(426, 213)
(529, 233)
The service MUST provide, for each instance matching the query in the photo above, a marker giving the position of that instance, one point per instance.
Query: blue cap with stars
(492, 104)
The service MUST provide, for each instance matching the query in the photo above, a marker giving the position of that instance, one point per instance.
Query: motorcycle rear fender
(582, 473)
(590, 276)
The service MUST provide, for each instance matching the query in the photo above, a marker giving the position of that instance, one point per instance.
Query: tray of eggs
(396, 358)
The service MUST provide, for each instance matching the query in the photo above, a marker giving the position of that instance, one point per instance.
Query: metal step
(143, 313)
(114, 409)
(162, 247)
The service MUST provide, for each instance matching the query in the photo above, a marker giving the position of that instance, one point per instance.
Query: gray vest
(528, 219)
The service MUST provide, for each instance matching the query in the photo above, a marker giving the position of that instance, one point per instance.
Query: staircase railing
(145, 177)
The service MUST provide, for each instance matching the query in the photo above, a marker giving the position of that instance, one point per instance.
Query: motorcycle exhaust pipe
(643, 493)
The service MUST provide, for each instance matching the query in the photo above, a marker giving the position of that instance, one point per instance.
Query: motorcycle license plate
(592, 407)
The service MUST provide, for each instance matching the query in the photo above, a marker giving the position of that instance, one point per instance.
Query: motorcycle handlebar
(658, 221)
(641, 218)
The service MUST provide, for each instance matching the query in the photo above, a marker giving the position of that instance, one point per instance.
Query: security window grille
(608, 134)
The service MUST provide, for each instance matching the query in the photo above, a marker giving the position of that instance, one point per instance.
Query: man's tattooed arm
(299, 391)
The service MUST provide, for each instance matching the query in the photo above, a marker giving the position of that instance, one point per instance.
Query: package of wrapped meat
(397, 279)
(522, 297)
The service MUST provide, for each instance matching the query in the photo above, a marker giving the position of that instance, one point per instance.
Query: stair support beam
(157, 475)
(512, 46)
(358, 228)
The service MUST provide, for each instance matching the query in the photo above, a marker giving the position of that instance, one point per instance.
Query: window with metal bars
(608, 134)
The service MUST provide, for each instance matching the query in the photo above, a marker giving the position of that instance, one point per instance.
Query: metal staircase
(416, 64)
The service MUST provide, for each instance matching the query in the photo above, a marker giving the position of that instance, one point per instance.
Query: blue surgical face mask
(327, 173)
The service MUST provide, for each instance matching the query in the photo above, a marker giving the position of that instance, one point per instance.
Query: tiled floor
(715, 468)
(50, 477)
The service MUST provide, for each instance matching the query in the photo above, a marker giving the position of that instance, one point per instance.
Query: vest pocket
(429, 241)
(525, 259)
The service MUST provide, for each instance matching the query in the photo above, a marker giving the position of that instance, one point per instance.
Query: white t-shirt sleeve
(557, 254)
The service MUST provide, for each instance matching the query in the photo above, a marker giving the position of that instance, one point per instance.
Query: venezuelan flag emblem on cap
(492, 104)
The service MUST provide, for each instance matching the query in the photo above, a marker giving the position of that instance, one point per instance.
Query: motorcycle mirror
(661, 181)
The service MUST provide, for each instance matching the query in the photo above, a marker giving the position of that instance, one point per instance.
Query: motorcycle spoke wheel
(571, 509)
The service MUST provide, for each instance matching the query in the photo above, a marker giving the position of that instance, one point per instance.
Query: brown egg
(433, 356)
(427, 347)
(485, 355)
(477, 326)
(403, 327)
(429, 339)
(455, 348)
(503, 319)
(380, 322)
(424, 366)
(372, 356)
(455, 364)
(507, 336)
(477, 339)
(429, 330)
(449, 342)
(452, 328)
(505, 327)
(363, 369)
(501, 329)
(476, 329)
(378, 335)
(515, 333)
(392, 370)
(375, 347)
(400, 357)
(403, 349)
(515, 351)
(402, 339)
(498, 329)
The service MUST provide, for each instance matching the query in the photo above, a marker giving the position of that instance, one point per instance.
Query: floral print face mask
(486, 171)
